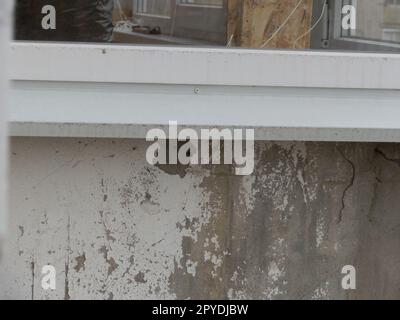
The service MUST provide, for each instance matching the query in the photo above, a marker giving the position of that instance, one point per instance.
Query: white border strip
(203, 66)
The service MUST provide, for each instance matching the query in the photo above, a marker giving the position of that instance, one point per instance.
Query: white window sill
(120, 91)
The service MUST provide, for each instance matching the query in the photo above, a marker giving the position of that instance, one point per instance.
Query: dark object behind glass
(76, 20)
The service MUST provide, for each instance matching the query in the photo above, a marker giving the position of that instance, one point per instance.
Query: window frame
(164, 22)
(185, 21)
(328, 35)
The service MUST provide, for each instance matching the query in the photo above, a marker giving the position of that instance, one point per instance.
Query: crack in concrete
(66, 280)
(33, 279)
(384, 156)
(348, 187)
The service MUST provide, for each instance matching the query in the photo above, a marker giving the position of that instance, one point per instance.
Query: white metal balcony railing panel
(121, 91)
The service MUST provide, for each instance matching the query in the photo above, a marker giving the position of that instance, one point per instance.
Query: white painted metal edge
(5, 34)
(203, 66)
(70, 109)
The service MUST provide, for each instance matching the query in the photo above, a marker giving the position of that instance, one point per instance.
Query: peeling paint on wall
(115, 227)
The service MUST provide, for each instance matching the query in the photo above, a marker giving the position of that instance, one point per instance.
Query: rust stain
(140, 277)
(112, 265)
(80, 262)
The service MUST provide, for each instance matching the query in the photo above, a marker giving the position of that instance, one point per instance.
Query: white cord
(230, 41)
(282, 25)
(313, 27)
(122, 15)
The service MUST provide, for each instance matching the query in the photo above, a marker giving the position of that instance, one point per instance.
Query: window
(153, 8)
(377, 25)
(291, 24)
(375, 20)
(190, 22)
(391, 35)
(186, 22)
(217, 3)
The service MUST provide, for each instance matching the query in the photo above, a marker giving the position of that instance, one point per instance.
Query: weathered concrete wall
(115, 227)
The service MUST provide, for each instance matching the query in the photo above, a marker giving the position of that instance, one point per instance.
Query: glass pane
(218, 3)
(289, 24)
(153, 7)
(64, 20)
(170, 22)
(376, 20)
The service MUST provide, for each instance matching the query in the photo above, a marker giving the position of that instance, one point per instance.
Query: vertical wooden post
(234, 22)
(251, 23)
(5, 32)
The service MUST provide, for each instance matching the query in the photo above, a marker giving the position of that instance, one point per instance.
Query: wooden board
(251, 23)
